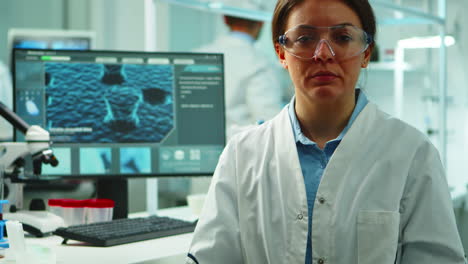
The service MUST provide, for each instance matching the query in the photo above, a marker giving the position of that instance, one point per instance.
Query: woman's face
(323, 79)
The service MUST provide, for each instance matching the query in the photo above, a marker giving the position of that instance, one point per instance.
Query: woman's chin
(326, 92)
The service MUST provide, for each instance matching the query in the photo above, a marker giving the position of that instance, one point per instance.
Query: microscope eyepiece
(44, 157)
(54, 161)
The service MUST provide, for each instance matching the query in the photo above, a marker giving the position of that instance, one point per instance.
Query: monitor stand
(116, 190)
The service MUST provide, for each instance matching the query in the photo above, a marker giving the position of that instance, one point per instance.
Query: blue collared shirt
(314, 160)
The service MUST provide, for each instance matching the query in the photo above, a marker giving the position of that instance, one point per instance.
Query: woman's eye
(343, 38)
(304, 39)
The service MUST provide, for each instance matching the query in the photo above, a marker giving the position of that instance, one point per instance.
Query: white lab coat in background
(383, 196)
(253, 89)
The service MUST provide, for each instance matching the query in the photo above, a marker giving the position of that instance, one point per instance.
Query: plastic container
(3, 247)
(73, 211)
(195, 202)
(17, 241)
(55, 206)
(77, 212)
(99, 210)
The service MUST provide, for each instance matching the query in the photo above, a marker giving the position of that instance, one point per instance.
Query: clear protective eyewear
(344, 41)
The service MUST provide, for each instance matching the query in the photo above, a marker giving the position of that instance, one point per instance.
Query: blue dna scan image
(109, 103)
(95, 160)
(135, 160)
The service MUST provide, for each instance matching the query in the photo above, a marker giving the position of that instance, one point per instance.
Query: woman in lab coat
(331, 179)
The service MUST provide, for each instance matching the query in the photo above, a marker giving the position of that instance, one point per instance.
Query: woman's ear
(280, 53)
(367, 56)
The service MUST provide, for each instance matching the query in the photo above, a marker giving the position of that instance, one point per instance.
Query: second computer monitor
(124, 114)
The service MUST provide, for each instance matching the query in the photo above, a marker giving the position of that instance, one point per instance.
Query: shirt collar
(361, 102)
(242, 35)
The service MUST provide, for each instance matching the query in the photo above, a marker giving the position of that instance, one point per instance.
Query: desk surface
(149, 251)
(158, 251)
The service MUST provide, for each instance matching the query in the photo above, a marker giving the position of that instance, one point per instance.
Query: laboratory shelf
(417, 15)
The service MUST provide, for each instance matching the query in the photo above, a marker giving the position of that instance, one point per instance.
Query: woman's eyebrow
(336, 25)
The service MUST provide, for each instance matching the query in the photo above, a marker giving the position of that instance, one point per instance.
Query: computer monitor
(28, 38)
(116, 114)
(57, 39)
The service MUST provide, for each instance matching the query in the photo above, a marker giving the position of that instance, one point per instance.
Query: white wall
(119, 24)
(457, 66)
(46, 14)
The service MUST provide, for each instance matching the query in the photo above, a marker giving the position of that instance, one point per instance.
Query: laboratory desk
(167, 250)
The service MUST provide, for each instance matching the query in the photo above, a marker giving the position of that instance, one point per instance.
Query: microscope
(12, 161)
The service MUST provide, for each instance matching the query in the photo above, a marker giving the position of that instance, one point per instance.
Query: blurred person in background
(253, 91)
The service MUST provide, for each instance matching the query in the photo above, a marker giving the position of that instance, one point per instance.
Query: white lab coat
(253, 89)
(383, 196)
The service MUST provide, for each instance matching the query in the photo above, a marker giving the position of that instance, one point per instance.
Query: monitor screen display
(124, 114)
(30, 38)
(60, 43)
(57, 39)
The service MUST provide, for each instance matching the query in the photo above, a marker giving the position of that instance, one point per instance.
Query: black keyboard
(122, 231)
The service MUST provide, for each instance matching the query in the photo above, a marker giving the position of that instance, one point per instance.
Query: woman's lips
(324, 77)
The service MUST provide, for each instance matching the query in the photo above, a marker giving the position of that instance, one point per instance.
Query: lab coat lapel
(357, 136)
(288, 157)
(292, 182)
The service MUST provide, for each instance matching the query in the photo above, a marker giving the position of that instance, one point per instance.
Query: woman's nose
(324, 51)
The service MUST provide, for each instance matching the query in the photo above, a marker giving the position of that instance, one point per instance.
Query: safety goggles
(344, 41)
